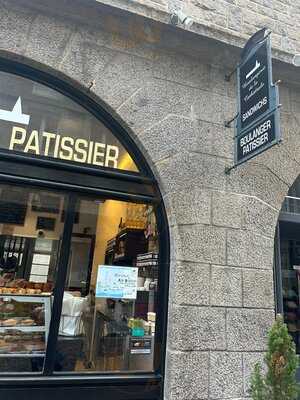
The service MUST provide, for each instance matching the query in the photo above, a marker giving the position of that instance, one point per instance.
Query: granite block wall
(244, 17)
(229, 20)
(221, 300)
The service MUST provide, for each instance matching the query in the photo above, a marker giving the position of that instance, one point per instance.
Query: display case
(24, 325)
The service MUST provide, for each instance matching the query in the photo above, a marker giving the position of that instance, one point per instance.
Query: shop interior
(290, 255)
(289, 260)
(96, 332)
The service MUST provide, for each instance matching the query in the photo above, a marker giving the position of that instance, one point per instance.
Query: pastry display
(6, 278)
(21, 291)
(23, 287)
(14, 313)
(17, 283)
(9, 322)
(16, 341)
(27, 322)
(9, 290)
(17, 321)
(8, 307)
(38, 314)
(24, 323)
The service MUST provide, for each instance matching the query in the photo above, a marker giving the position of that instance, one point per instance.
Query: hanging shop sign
(257, 125)
(254, 86)
(116, 282)
(261, 136)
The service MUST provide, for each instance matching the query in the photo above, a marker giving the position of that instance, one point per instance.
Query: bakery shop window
(109, 304)
(29, 254)
(39, 122)
(287, 260)
(81, 253)
(110, 297)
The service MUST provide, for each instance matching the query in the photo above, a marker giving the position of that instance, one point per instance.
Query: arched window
(83, 238)
(40, 122)
(287, 261)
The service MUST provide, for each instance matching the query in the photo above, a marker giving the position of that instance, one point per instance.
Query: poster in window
(116, 282)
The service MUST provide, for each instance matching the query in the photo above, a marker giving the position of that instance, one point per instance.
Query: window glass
(39, 121)
(31, 228)
(290, 264)
(289, 234)
(110, 299)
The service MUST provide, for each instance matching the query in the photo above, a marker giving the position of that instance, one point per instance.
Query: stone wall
(244, 17)
(231, 21)
(222, 226)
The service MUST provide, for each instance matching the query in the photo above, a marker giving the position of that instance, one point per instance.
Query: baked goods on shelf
(28, 321)
(24, 323)
(23, 287)
(16, 341)
(23, 291)
(9, 322)
(14, 312)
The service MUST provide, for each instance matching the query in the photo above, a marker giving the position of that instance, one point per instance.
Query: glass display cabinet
(24, 325)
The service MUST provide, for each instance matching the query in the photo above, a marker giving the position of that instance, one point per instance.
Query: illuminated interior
(97, 332)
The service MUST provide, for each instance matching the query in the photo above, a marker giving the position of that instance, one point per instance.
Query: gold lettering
(55, 153)
(112, 154)
(65, 147)
(90, 152)
(68, 149)
(80, 150)
(33, 143)
(15, 138)
(48, 137)
(98, 153)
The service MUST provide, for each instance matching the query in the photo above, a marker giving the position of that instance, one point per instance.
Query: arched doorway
(287, 262)
(83, 247)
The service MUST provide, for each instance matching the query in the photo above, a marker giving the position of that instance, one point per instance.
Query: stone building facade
(166, 86)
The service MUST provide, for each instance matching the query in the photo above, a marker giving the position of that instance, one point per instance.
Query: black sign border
(272, 89)
(277, 139)
(273, 106)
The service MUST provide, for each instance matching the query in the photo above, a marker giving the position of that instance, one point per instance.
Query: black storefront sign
(256, 139)
(257, 124)
(254, 86)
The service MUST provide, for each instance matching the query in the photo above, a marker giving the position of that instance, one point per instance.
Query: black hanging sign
(254, 86)
(257, 124)
(261, 136)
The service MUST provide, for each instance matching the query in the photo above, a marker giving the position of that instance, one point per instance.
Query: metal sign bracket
(229, 76)
(227, 124)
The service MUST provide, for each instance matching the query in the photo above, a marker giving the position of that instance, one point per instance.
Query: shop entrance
(287, 263)
(84, 249)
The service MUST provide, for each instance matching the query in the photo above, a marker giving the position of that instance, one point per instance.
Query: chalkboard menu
(43, 202)
(13, 205)
(45, 223)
